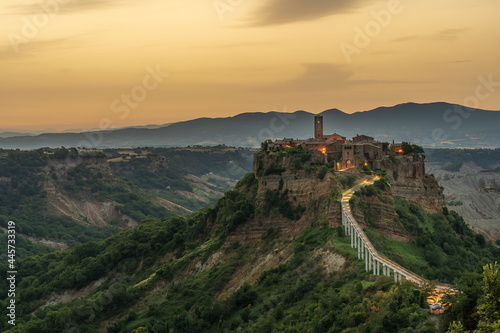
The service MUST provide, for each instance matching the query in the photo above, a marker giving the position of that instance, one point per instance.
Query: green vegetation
(300, 160)
(442, 247)
(477, 306)
(123, 253)
(22, 200)
(322, 171)
(24, 248)
(187, 274)
(84, 176)
(411, 149)
(455, 203)
(163, 172)
(348, 181)
(275, 199)
(296, 296)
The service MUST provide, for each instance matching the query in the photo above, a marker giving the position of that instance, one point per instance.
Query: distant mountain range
(440, 125)
(8, 133)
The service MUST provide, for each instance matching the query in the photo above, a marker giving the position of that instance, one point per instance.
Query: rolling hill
(431, 125)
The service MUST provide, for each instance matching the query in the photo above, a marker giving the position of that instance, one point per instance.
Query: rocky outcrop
(281, 172)
(305, 190)
(263, 161)
(407, 174)
(310, 198)
(73, 161)
(425, 192)
(378, 212)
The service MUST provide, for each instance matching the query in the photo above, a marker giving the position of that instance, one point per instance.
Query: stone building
(358, 151)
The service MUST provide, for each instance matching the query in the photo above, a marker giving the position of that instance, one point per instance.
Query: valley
(60, 198)
(471, 180)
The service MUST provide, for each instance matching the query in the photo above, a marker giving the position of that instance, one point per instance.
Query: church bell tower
(318, 127)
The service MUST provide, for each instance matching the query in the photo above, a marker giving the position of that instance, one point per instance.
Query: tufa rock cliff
(409, 180)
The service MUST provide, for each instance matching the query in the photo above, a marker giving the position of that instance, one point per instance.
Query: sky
(86, 64)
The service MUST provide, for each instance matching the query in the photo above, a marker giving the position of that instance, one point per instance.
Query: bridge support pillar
(369, 262)
(395, 276)
(359, 249)
(378, 267)
(352, 237)
(366, 259)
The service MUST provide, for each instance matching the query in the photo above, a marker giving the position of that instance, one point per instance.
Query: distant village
(358, 151)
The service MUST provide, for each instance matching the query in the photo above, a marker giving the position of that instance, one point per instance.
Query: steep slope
(270, 255)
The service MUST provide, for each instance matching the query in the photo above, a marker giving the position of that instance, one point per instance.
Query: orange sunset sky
(72, 63)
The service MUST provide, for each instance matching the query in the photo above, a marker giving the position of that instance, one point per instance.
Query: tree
(407, 148)
(456, 328)
(265, 144)
(418, 149)
(489, 309)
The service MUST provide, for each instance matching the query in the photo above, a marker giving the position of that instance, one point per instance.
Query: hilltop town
(361, 150)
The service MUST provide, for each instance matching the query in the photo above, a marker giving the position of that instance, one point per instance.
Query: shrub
(322, 172)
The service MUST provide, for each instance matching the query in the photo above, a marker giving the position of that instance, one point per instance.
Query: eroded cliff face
(301, 198)
(377, 211)
(319, 197)
(82, 207)
(474, 193)
(409, 181)
(290, 202)
(96, 162)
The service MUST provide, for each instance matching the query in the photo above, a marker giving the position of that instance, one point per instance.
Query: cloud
(443, 35)
(289, 11)
(70, 6)
(35, 47)
(450, 62)
(235, 45)
(324, 77)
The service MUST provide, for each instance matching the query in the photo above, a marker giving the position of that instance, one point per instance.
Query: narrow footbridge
(374, 262)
